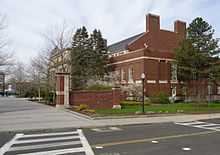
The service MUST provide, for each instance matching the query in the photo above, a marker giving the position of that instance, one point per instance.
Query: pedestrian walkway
(201, 125)
(47, 144)
(23, 115)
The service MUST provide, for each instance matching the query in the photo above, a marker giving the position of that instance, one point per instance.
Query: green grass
(165, 108)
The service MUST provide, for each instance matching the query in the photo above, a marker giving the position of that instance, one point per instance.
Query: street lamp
(142, 78)
(209, 96)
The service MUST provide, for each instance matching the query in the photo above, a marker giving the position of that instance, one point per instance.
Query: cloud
(117, 19)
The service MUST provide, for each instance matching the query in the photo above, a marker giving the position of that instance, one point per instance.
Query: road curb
(89, 127)
(78, 114)
(120, 117)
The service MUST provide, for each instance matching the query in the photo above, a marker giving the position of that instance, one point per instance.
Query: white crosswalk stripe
(48, 144)
(107, 129)
(201, 125)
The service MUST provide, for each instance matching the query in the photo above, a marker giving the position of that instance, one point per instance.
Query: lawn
(164, 108)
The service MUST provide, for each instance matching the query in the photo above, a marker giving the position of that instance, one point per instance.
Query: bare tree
(52, 57)
(40, 73)
(6, 58)
(19, 79)
(57, 41)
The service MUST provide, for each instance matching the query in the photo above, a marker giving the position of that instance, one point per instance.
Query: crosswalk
(47, 144)
(201, 125)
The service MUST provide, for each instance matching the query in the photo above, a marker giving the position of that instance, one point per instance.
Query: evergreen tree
(79, 58)
(99, 59)
(196, 57)
(88, 57)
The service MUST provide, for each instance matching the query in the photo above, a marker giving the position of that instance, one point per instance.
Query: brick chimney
(180, 27)
(152, 22)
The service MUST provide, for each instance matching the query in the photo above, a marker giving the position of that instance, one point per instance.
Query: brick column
(116, 96)
(62, 89)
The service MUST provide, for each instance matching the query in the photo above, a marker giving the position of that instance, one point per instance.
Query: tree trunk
(39, 94)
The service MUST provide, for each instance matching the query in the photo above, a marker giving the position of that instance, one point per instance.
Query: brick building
(149, 53)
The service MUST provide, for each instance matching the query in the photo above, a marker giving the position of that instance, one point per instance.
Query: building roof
(120, 46)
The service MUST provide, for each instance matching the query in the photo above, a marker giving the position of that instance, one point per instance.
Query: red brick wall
(104, 98)
(61, 83)
(157, 38)
(60, 99)
(160, 44)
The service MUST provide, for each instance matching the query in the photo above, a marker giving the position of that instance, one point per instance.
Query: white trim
(123, 82)
(162, 81)
(143, 57)
(131, 81)
(173, 81)
(151, 81)
(138, 81)
(126, 52)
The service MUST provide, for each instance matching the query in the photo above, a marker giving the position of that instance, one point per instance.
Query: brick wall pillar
(62, 89)
(115, 96)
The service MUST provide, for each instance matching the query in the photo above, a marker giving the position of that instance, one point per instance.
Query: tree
(6, 58)
(57, 42)
(19, 79)
(196, 58)
(52, 58)
(99, 59)
(80, 56)
(40, 74)
(88, 57)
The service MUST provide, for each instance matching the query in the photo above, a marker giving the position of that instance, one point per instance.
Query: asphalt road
(200, 137)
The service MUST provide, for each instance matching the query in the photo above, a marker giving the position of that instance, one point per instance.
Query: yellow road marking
(152, 139)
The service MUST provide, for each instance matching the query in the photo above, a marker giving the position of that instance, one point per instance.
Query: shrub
(98, 87)
(130, 103)
(81, 107)
(160, 97)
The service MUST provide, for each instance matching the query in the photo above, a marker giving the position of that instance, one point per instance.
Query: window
(173, 72)
(131, 74)
(218, 90)
(123, 75)
(162, 60)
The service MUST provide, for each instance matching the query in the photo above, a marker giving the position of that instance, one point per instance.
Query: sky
(28, 20)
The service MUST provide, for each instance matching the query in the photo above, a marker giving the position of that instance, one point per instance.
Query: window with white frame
(218, 90)
(131, 74)
(173, 71)
(211, 90)
(123, 74)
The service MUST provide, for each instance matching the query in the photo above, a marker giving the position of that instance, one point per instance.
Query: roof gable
(121, 45)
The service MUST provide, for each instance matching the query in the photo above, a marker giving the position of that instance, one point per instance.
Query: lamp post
(209, 96)
(142, 78)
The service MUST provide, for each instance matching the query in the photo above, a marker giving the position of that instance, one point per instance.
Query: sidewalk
(159, 119)
(21, 115)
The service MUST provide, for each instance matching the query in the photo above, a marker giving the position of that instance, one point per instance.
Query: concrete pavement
(22, 115)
